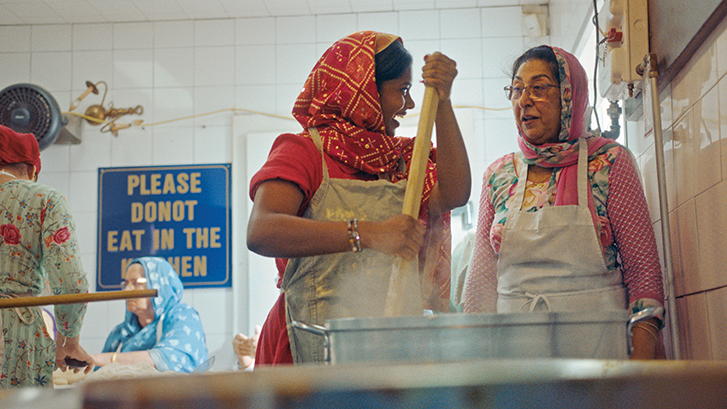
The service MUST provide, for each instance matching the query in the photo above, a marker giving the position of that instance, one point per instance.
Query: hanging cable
(140, 123)
(595, 68)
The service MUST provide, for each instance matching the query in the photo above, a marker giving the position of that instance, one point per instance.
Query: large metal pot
(464, 337)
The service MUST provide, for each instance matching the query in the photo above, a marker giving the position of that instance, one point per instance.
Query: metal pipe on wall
(651, 69)
(240, 280)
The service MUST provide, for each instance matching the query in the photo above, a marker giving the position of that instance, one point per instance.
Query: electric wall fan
(29, 108)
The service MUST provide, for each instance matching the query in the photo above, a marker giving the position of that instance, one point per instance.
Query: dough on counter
(111, 371)
(61, 378)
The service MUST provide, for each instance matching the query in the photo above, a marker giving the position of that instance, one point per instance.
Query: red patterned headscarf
(340, 98)
(18, 147)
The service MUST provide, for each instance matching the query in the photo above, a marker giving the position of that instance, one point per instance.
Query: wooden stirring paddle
(413, 198)
(75, 298)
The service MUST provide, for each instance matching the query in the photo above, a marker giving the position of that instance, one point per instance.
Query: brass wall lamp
(96, 114)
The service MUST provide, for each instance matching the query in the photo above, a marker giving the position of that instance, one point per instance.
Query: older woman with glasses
(162, 332)
(563, 223)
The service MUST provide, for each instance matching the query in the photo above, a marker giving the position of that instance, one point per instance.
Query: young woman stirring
(328, 202)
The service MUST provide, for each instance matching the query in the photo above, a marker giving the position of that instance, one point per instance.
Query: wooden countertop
(489, 384)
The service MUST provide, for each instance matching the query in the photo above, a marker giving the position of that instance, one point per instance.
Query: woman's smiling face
(538, 119)
(395, 100)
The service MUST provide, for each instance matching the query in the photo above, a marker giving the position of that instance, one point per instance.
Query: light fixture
(90, 88)
(96, 114)
(114, 128)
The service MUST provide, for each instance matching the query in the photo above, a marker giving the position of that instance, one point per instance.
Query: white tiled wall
(694, 119)
(176, 69)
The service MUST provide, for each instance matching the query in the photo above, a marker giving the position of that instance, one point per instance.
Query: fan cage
(27, 108)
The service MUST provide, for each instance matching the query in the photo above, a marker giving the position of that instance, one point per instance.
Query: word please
(184, 183)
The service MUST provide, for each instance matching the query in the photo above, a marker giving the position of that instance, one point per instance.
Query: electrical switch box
(625, 26)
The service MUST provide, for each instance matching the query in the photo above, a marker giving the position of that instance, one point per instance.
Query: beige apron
(347, 284)
(551, 259)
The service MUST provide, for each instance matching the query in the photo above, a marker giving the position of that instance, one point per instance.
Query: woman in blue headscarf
(161, 331)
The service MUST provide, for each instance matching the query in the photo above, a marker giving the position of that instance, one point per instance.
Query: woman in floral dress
(37, 245)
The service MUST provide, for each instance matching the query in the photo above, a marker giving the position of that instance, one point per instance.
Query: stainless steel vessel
(465, 337)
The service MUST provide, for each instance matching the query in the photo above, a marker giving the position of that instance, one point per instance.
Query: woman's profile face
(537, 118)
(395, 100)
(136, 280)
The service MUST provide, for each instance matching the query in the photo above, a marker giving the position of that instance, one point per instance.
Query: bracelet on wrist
(651, 324)
(354, 238)
(241, 367)
(654, 334)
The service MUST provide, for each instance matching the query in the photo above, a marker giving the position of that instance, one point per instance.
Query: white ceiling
(19, 12)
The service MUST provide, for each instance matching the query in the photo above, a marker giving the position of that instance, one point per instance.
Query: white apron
(552, 260)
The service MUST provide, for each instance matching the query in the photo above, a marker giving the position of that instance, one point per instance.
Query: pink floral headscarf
(573, 120)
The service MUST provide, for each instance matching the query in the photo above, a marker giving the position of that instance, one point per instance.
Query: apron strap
(20, 317)
(583, 172)
(534, 299)
(522, 172)
(313, 131)
(606, 298)
(17, 309)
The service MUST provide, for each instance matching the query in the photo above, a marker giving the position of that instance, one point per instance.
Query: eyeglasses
(536, 91)
(134, 283)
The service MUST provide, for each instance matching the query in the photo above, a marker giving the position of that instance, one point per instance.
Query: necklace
(2, 171)
(540, 177)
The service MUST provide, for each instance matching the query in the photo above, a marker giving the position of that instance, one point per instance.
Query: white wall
(177, 69)
(694, 120)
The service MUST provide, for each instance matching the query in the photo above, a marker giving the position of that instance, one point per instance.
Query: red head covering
(18, 148)
(341, 99)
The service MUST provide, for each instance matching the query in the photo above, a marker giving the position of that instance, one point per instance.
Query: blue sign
(179, 213)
